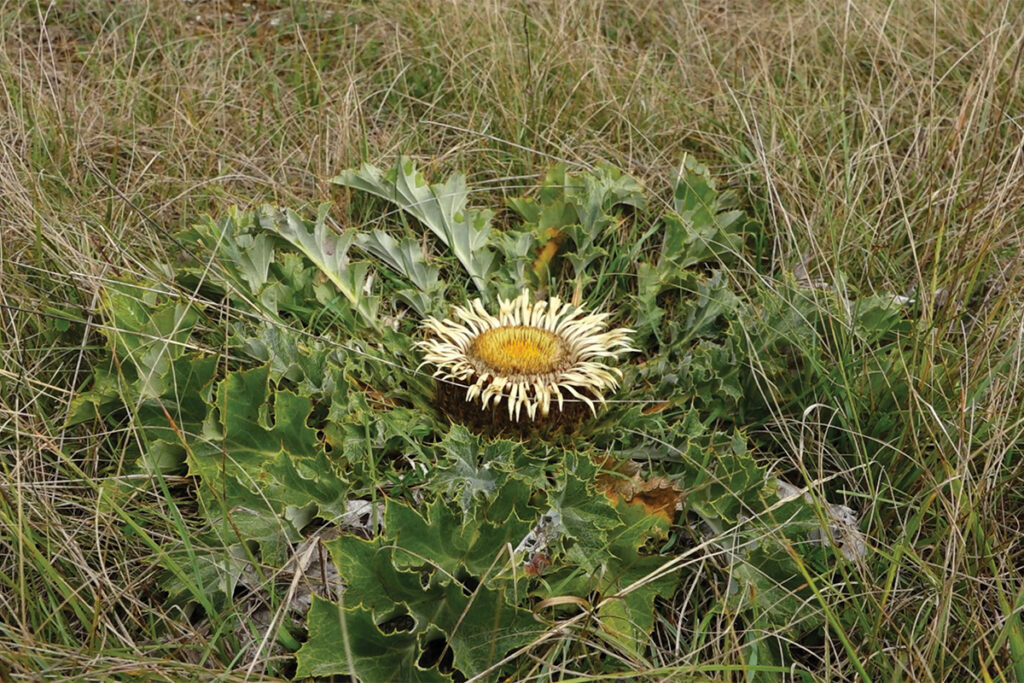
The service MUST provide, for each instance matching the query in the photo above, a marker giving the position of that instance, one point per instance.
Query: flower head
(528, 355)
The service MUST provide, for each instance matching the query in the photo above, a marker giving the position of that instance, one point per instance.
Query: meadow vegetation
(870, 309)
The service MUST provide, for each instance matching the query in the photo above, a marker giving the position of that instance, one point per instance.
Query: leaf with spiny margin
(619, 189)
(878, 316)
(170, 423)
(105, 396)
(605, 555)
(596, 195)
(711, 377)
(699, 229)
(242, 259)
(583, 206)
(372, 580)
(251, 256)
(328, 251)
(545, 213)
(481, 625)
(153, 372)
(466, 480)
(629, 619)
(406, 258)
(694, 192)
(517, 248)
(490, 480)
(448, 572)
(263, 472)
(693, 361)
(335, 634)
(245, 433)
(589, 193)
(204, 574)
(448, 541)
(771, 586)
(165, 424)
(688, 242)
(732, 484)
(235, 255)
(238, 511)
(147, 334)
(441, 208)
(714, 300)
(362, 432)
(487, 493)
(586, 515)
(761, 550)
(291, 355)
(291, 286)
(299, 481)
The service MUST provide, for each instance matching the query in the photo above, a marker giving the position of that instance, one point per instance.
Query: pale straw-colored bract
(528, 355)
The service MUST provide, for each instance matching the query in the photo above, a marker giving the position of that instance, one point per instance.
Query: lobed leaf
(447, 573)
(263, 472)
(329, 252)
(441, 208)
(349, 642)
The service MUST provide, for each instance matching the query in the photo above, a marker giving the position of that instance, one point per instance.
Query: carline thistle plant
(531, 355)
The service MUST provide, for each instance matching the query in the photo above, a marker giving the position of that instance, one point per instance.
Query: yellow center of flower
(519, 350)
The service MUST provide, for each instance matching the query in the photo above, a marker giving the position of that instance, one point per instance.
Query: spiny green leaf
(448, 572)
(166, 425)
(441, 539)
(583, 206)
(147, 335)
(242, 259)
(236, 256)
(405, 256)
(769, 584)
(441, 208)
(215, 570)
(407, 259)
(735, 485)
(596, 195)
(247, 435)
(714, 299)
(517, 247)
(329, 252)
(605, 557)
(479, 623)
(877, 316)
(263, 472)
(371, 578)
(349, 642)
(252, 255)
(291, 356)
(694, 193)
(586, 516)
(170, 423)
(240, 511)
(490, 480)
(301, 481)
(698, 229)
(629, 617)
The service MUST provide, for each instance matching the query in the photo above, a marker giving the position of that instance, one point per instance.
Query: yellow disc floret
(519, 350)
